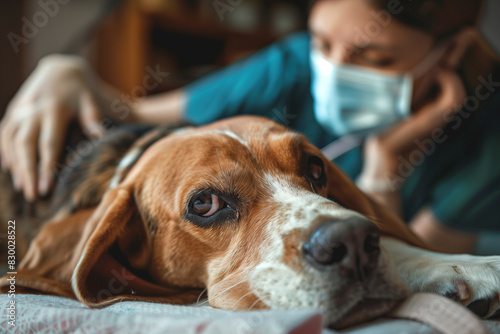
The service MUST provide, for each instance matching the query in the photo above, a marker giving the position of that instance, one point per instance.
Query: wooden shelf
(181, 36)
(189, 23)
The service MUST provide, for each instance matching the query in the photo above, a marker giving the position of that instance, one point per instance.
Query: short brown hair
(440, 18)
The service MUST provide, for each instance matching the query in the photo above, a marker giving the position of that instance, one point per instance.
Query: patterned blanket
(47, 314)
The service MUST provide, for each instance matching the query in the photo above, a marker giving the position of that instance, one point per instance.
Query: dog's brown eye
(206, 209)
(315, 169)
(207, 204)
(316, 172)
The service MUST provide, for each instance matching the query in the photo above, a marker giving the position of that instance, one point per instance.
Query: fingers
(453, 92)
(450, 98)
(25, 140)
(37, 132)
(89, 117)
(52, 135)
(36, 121)
(6, 133)
(433, 115)
(23, 166)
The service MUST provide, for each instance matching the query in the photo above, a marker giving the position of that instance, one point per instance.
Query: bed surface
(49, 314)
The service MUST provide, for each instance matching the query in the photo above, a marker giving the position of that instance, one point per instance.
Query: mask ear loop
(430, 59)
(341, 145)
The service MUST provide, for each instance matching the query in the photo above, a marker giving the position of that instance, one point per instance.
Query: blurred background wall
(122, 38)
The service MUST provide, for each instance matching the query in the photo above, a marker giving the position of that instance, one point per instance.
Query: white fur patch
(125, 162)
(232, 135)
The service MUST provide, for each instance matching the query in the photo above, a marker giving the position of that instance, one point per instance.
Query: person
(412, 78)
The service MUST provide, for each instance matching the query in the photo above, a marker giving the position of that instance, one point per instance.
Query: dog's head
(248, 210)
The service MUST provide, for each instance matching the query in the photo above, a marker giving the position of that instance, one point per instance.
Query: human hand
(34, 127)
(383, 153)
(431, 116)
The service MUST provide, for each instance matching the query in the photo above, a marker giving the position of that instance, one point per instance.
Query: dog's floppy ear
(343, 191)
(104, 252)
(103, 275)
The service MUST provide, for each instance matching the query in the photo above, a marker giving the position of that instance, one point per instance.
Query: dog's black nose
(351, 244)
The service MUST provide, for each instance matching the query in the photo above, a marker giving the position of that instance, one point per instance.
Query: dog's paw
(472, 281)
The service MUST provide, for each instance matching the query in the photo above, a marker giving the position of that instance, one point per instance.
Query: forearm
(156, 109)
(161, 108)
(428, 227)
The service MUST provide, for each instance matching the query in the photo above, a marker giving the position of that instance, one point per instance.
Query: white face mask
(353, 100)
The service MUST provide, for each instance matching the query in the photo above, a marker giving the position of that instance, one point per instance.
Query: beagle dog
(249, 212)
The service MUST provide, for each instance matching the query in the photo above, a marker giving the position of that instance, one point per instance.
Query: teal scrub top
(459, 178)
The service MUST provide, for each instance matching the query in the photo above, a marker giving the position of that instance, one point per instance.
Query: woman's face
(353, 32)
